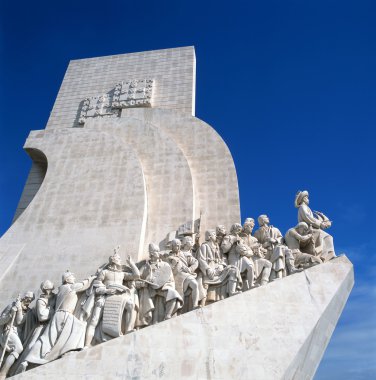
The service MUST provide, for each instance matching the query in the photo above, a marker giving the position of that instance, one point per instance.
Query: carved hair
(175, 242)
(185, 240)
(208, 233)
(234, 227)
(153, 247)
(47, 285)
(260, 219)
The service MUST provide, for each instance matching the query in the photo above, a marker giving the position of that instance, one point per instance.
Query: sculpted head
(175, 245)
(187, 243)
(154, 251)
(301, 197)
(115, 259)
(220, 230)
(236, 229)
(210, 235)
(302, 228)
(68, 278)
(263, 220)
(47, 287)
(248, 225)
(27, 299)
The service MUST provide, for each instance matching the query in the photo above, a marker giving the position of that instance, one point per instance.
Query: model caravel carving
(120, 299)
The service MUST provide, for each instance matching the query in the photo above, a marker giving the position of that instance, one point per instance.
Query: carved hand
(210, 273)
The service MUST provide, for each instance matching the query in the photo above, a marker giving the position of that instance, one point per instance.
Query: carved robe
(259, 262)
(275, 253)
(229, 246)
(294, 241)
(38, 322)
(184, 271)
(149, 302)
(323, 242)
(64, 332)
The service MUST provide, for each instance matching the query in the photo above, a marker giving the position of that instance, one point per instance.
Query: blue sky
(289, 85)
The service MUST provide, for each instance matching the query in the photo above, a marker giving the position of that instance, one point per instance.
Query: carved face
(306, 200)
(70, 279)
(264, 219)
(26, 301)
(175, 245)
(213, 236)
(236, 229)
(115, 259)
(221, 231)
(188, 243)
(248, 227)
(154, 253)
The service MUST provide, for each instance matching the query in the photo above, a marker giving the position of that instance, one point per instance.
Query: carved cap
(47, 285)
(29, 295)
(66, 275)
(299, 197)
(153, 247)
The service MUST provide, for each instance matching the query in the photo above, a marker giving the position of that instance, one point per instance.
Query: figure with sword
(11, 318)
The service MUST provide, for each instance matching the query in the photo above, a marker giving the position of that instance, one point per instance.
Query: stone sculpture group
(119, 299)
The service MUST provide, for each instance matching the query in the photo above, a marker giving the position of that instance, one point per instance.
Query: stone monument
(188, 291)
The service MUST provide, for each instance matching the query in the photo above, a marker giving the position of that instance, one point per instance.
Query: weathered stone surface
(279, 331)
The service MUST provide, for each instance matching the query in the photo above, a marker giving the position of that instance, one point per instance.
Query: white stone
(253, 335)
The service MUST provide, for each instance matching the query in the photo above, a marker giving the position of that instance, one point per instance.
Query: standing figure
(277, 253)
(44, 309)
(298, 238)
(183, 266)
(222, 278)
(112, 298)
(189, 247)
(239, 255)
(262, 264)
(11, 318)
(220, 232)
(159, 300)
(323, 242)
(64, 332)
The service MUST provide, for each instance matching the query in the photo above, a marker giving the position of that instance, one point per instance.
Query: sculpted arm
(83, 285)
(192, 263)
(43, 311)
(202, 254)
(135, 275)
(305, 215)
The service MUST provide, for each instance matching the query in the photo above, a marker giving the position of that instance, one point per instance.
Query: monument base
(278, 331)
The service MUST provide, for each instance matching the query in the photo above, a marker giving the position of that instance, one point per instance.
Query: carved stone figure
(215, 271)
(277, 253)
(239, 255)
(112, 298)
(323, 242)
(220, 232)
(262, 266)
(159, 299)
(189, 247)
(11, 318)
(183, 266)
(64, 332)
(298, 238)
(43, 311)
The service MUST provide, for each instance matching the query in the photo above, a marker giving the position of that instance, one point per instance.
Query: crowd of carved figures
(123, 297)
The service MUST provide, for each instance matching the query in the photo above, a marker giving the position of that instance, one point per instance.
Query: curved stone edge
(306, 362)
(53, 237)
(266, 333)
(210, 161)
